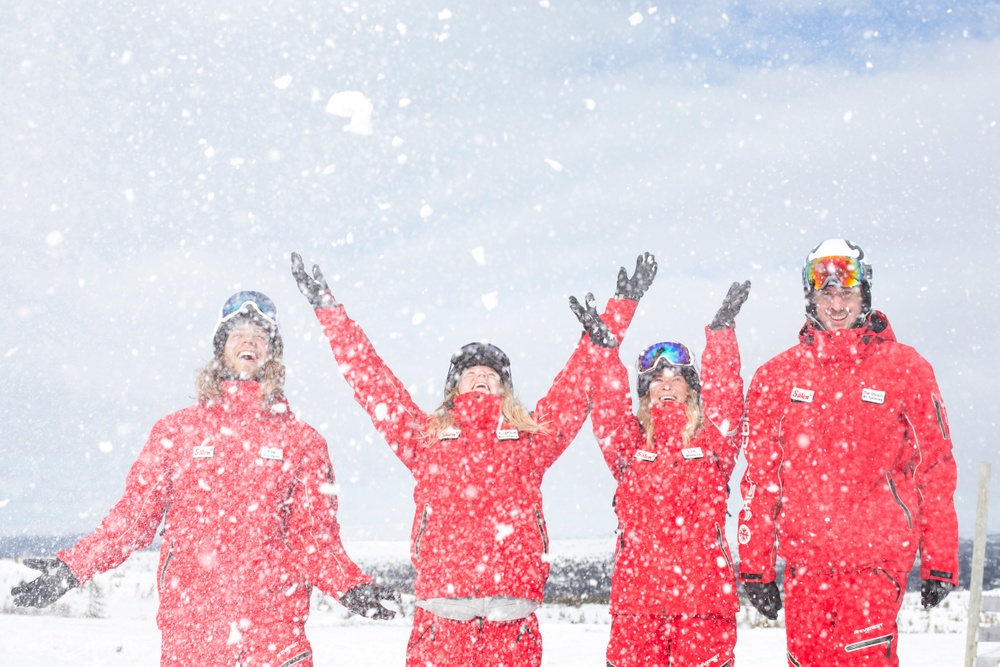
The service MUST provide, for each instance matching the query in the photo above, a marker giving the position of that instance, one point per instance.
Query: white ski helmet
(839, 262)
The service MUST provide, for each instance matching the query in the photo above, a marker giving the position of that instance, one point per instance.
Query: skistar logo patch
(643, 455)
(802, 395)
(203, 452)
(873, 396)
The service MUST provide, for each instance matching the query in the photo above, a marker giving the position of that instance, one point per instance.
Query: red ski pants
(646, 640)
(269, 645)
(843, 619)
(441, 642)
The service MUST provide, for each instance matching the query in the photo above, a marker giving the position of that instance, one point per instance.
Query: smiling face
(479, 378)
(838, 307)
(668, 386)
(248, 347)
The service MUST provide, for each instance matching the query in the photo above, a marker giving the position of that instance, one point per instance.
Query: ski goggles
(844, 271)
(666, 352)
(249, 301)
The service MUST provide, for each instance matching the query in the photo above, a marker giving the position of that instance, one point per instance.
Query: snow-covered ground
(111, 622)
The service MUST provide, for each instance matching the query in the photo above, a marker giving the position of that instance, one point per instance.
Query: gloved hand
(737, 295)
(933, 591)
(633, 288)
(766, 598)
(55, 580)
(314, 287)
(365, 600)
(592, 323)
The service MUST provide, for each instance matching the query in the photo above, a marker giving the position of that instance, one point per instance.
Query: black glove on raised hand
(314, 287)
(365, 600)
(633, 288)
(933, 591)
(55, 580)
(766, 598)
(735, 298)
(592, 323)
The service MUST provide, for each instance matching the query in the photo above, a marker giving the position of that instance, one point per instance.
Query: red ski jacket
(672, 556)
(478, 530)
(849, 460)
(247, 495)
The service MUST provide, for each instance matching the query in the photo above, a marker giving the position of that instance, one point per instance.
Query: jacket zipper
(906, 510)
(420, 532)
(540, 521)
(166, 564)
(722, 548)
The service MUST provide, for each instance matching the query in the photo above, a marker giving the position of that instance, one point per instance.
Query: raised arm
(385, 399)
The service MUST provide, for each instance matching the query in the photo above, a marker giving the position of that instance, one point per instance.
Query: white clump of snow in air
(479, 254)
(556, 166)
(426, 211)
(282, 82)
(418, 318)
(54, 238)
(491, 300)
(635, 19)
(105, 447)
(354, 105)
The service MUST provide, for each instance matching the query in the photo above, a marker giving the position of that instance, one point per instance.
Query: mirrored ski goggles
(667, 352)
(844, 271)
(249, 301)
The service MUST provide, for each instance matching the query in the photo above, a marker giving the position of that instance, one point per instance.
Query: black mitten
(933, 591)
(592, 323)
(314, 287)
(766, 598)
(737, 295)
(365, 600)
(55, 580)
(633, 288)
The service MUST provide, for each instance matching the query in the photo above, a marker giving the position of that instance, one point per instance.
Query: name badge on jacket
(691, 453)
(271, 453)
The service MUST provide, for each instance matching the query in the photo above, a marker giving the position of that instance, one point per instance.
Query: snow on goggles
(667, 352)
(248, 301)
(844, 271)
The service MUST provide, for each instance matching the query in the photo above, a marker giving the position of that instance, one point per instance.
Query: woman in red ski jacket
(479, 540)
(245, 494)
(673, 590)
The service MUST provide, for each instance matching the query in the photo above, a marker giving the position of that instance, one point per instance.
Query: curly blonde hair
(208, 381)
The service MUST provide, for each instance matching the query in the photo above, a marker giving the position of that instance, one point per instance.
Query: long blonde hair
(208, 381)
(515, 415)
(692, 406)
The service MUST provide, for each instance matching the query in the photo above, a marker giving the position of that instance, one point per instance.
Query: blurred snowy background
(460, 169)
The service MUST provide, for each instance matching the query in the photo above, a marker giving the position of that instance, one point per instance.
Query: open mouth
(247, 355)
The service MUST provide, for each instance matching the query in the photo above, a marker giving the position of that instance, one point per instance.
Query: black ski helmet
(477, 354)
(676, 357)
(248, 306)
(834, 249)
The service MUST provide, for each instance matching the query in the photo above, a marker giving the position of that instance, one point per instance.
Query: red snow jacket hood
(246, 498)
(849, 459)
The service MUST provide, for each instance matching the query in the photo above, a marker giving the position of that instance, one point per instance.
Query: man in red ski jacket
(849, 473)
(246, 495)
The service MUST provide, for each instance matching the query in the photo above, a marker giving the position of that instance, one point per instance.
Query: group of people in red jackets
(850, 475)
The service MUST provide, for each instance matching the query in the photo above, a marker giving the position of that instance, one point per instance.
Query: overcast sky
(459, 170)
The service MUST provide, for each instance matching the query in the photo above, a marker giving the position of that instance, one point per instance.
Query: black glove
(55, 580)
(766, 598)
(737, 295)
(633, 288)
(932, 591)
(314, 287)
(592, 323)
(365, 600)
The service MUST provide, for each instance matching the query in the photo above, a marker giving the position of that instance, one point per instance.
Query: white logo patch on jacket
(802, 395)
(203, 452)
